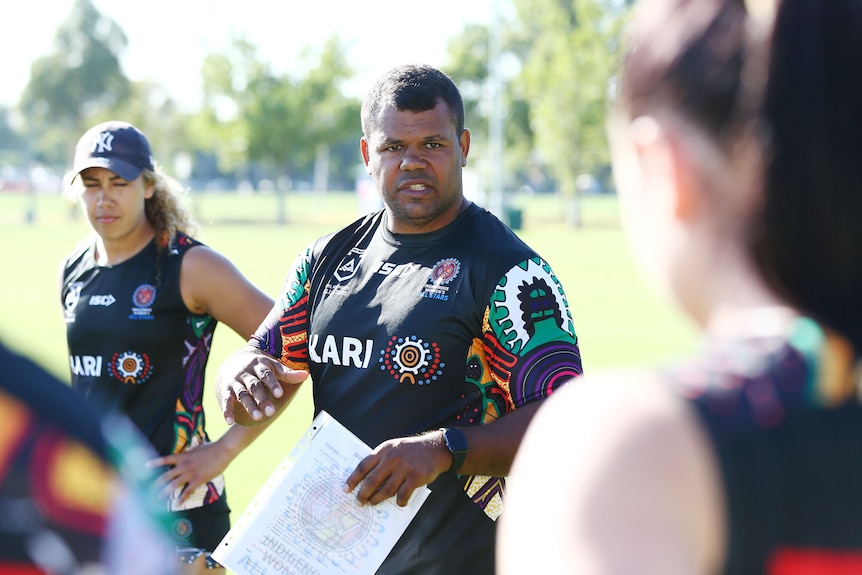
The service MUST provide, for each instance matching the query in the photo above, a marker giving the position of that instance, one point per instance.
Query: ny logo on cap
(102, 143)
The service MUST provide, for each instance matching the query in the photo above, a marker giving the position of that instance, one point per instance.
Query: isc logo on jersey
(102, 300)
(74, 294)
(397, 270)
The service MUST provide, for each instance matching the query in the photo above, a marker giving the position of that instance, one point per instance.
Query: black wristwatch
(456, 443)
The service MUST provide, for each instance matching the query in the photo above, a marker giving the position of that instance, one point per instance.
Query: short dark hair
(412, 88)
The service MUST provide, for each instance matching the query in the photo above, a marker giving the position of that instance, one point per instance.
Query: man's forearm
(492, 447)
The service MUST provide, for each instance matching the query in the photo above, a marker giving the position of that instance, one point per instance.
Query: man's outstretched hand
(258, 383)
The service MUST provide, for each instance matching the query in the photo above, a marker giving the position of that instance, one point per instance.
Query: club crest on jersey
(443, 273)
(349, 265)
(71, 300)
(411, 360)
(131, 368)
(142, 302)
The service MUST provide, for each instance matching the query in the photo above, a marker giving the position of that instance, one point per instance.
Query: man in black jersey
(429, 329)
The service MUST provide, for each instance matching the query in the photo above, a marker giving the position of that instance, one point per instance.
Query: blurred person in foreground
(73, 492)
(141, 300)
(429, 329)
(737, 142)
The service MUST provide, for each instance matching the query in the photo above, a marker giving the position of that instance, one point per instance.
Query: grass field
(618, 320)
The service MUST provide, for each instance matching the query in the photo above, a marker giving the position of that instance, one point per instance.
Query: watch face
(455, 440)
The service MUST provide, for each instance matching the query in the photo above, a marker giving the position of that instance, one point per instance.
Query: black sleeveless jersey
(136, 348)
(786, 426)
(405, 333)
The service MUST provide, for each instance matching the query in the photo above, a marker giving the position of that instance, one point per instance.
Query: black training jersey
(784, 420)
(135, 346)
(404, 333)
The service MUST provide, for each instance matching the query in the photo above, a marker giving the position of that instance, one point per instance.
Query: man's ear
(464, 140)
(363, 149)
(667, 166)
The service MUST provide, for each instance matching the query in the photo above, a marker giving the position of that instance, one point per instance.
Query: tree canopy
(553, 63)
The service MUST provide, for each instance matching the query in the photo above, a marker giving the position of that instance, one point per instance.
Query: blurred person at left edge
(74, 495)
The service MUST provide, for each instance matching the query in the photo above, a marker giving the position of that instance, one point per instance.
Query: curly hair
(166, 210)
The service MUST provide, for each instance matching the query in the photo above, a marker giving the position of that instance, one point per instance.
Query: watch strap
(456, 443)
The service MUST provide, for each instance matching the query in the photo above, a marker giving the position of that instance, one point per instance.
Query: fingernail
(228, 420)
(256, 414)
(270, 410)
(278, 392)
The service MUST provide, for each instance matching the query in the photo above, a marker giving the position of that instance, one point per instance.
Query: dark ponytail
(808, 240)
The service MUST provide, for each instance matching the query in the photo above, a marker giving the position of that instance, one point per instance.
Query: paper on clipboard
(302, 522)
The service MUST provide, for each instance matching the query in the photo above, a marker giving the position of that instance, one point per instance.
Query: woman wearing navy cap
(141, 300)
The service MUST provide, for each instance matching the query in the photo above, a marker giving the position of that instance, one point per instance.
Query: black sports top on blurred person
(783, 419)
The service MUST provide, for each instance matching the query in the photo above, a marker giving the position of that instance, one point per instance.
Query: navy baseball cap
(116, 146)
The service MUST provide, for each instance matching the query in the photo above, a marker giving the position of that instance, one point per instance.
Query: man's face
(415, 159)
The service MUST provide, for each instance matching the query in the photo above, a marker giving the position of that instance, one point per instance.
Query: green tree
(566, 78)
(277, 121)
(220, 125)
(469, 64)
(11, 142)
(331, 116)
(275, 124)
(80, 77)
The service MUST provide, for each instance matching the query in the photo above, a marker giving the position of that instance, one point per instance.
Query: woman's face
(658, 168)
(114, 206)
(638, 178)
